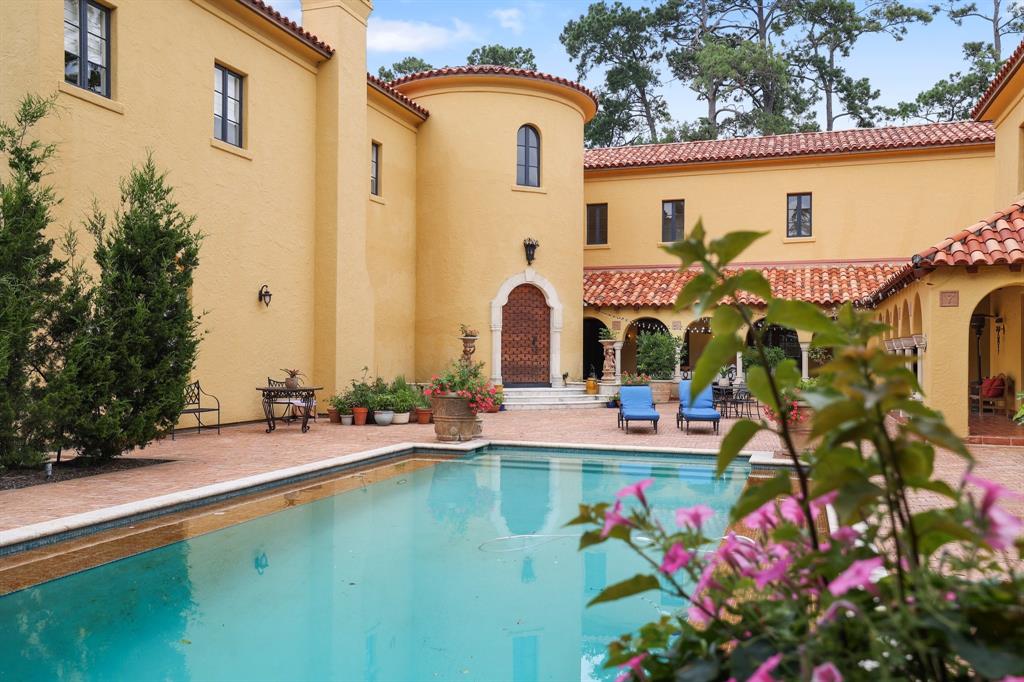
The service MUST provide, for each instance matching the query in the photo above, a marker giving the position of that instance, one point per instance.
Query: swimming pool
(459, 569)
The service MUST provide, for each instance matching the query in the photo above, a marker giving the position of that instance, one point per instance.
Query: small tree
(143, 342)
(499, 55)
(656, 355)
(29, 282)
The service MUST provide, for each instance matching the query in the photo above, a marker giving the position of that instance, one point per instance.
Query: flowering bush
(465, 380)
(635, 379)
(889, 592)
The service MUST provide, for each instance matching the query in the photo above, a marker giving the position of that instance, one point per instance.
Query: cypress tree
(144, 339)
(30, 283)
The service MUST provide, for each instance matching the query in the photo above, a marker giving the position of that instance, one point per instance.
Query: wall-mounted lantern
(264, 295)
(530, 246)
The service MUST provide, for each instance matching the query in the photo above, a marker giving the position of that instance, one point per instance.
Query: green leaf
(937, 432)
(916, 460)
(591, 537)
(733, 244)
(739, 435)
(753, 282)
(641, 582)
(716, 355)
(834, 414)
(757, 383)
(991, 662)
(726, 321)
(756, 494)
(704, 670)
(798, 315)
(694, 289)
(786, 374)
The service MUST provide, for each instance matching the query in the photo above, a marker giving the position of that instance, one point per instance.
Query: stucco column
(495, 355)
(921, 343)
(805, 368)
(740, 376)
(618, 362)
(676, 375)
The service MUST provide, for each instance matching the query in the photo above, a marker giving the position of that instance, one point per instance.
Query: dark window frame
(375, 184)
(595, 242)
(523, 169)
(795, 229)
(224, 73)
(82, 79)
(675, 223)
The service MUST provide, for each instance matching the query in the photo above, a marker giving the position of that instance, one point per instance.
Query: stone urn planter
(453, 420)
(661, 390)
(468, 347)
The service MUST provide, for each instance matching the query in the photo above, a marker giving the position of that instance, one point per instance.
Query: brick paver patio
(246, 449)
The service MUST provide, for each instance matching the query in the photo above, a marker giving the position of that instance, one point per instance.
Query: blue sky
(444, 31)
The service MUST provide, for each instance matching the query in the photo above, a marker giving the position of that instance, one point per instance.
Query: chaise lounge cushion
(637, 404)
(640, 413)
(701, 413)
(701, 409)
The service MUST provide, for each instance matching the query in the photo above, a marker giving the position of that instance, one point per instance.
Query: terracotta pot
(423, 415)
(359, 415)
(334, 415)
(453, 420)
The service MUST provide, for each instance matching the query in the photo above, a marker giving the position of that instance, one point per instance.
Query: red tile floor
(994, 429)
(246, 450)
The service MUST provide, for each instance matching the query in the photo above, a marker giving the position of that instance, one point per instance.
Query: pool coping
(31, 536)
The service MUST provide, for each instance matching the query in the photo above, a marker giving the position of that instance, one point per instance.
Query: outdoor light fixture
(530, 245)
(264, 295)
(1000, 328)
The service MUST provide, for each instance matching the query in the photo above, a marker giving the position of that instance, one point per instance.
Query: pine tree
(142, 346)
(29, 281)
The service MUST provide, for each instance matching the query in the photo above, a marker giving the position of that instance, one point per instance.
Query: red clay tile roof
(996, 240)
(491, 70)
(1002, 76)
(268, 12)
(396, 95)
(657, 287)
(796, 144)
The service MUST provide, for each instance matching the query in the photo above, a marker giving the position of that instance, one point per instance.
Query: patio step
(569, 398)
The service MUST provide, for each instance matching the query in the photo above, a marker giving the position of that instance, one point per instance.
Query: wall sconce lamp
(1000, 328)
(530, 246)
(264, 295)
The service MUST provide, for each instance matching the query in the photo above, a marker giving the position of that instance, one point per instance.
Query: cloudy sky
(444, 31)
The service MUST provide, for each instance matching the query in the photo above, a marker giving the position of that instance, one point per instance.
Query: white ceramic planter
(383, 417)
(401, 418)
(346, 420)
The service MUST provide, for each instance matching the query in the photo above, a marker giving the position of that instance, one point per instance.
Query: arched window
(528, 157)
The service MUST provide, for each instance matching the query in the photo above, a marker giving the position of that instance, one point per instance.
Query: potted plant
(469, 337)
(498, 403)
(607, 338)
(361, 398)
(457, 395)
(796, 413)
(613, 401)
(629, 379)
(723, 376)
(423, 412)
(333, 413)
(292, 380)
(383, 408)
(656, 355)
(403, 405)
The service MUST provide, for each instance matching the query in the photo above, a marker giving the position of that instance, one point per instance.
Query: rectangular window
(87, 45)
(597, 223)
(375, 168)
(227, 105)
(672, 220)
(798, 215)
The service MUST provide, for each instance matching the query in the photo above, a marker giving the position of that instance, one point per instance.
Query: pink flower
(694, 517)
(1012, 678)
(764, 671)
(763, 518)
(637, 490)
(858, 575)
(834, 608)
(1003, 528)
(792, 511)
(633, 667)
(613, 517)
(775, 571)
(845, 535)
(702, 610)
(950, 596)
(819, 503)
(675, 558)
(993, 491)
(826, 672)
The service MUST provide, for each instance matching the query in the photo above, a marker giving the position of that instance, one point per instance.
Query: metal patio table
(302, 397)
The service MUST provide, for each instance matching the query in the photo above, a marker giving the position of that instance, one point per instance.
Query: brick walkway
(246, 450)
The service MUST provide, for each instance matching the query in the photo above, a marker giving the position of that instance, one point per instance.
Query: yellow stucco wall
(1009, 157)
(391, 240)
(257, 220)
(472, 219)
(877, 206)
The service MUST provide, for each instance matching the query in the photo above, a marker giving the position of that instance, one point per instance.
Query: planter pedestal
(453, 420)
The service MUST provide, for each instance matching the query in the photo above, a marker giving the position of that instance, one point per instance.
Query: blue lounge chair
(700, 411)
(636, 404)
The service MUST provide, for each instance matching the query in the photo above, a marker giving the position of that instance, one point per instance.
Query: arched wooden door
(526, 338)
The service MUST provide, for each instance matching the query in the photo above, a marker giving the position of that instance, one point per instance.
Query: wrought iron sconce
(264, 295)
(1000, 328)
(530, 246)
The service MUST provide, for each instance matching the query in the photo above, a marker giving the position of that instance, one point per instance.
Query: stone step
(568, 404)
(539, 392)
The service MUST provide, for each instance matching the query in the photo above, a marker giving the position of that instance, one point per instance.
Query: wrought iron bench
(194, 405)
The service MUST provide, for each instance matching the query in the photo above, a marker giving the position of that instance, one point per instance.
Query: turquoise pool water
(459, 571)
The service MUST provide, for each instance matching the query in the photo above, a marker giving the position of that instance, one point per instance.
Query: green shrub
(656, 355)
(774, 355)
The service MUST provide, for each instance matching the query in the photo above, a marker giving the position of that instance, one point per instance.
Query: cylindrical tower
(500, 161)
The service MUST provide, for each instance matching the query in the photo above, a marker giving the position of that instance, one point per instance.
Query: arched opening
(917, 325)
(593, 352)
(775, 336)
(905, 321)
(995, 363)
(695, 340)
(642, 325)
(526, 338)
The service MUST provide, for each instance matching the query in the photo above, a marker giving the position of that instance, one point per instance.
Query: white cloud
(391, 35)
(511, 18)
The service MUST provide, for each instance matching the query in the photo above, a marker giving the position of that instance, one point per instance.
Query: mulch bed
(78, 467)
